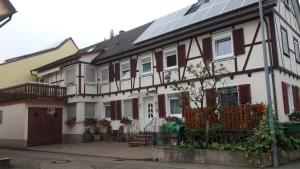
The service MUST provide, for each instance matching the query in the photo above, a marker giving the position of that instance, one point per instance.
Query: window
(285, 42)
(107, 110)
(223, 46)
(174, 105)
(297, 51)
(104, 74)
(90, 75)
(71, 110)
(1, 117)
(89, 110)
(146, 65)
(170, 59)
(127, 108)
(229, 97)
(125, 70)
(290, 97)
(70, 76)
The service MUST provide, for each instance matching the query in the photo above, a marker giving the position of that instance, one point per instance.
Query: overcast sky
(41, 23)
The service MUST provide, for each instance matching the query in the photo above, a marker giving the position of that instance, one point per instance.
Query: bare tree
(201, 83)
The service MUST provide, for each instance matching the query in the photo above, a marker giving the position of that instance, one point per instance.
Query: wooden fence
(244, 117)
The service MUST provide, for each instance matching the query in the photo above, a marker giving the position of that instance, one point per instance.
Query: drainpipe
(267, 80)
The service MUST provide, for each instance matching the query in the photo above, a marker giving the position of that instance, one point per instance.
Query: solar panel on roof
(179, 19)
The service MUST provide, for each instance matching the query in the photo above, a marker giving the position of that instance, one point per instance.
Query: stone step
(4, 162)
(137, 144)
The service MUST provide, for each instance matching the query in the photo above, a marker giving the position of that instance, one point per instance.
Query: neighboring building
(21, 99)
(18, 70)
(125, 75)
(6, 12)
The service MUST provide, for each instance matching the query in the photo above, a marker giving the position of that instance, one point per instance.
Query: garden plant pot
(97, 137)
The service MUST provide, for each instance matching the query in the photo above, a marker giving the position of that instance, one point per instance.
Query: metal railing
(150, 129)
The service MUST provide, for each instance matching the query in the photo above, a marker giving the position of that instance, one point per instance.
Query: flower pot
(97, 137)
(87, 136)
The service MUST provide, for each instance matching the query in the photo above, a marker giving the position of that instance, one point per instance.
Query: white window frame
(284, 31)
(67, 69)
(100, 74)
(173, 96)
(104, 110)
(296, 47)
(121, 74)
(85, 75)
(165, 58)
(220, 37)
(95, 104)
(141, 65)
(290, 97)
(123, 108)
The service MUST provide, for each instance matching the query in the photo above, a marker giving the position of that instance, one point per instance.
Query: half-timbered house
(125, 76)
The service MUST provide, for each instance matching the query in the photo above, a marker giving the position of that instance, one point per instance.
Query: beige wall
(14, 125)
(19, 71)
(4, 10)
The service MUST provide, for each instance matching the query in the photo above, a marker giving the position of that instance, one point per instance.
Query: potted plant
(125, 121)
(89, 123)
(70, 122)
(97, 134)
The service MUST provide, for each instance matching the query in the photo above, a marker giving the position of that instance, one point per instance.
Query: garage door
(44, 126)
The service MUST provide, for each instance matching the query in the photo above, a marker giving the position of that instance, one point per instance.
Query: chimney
(112, 34)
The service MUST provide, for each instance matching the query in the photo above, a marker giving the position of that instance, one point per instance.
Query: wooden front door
(44, 128)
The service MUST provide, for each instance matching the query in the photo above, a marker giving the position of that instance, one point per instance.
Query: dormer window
(195, 7)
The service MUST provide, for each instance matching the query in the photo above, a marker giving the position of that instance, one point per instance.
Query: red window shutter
(117, 71)
(285, 98)
(207, 49)
(296, 98)
(161, 106)
(185, 100)
(238, 41)
(135, 108)
(111, 73)
(245, 94)
(159, 61)
(181, 55)
(133, 64)
(210, 95)
(113, 110)
(119, 109)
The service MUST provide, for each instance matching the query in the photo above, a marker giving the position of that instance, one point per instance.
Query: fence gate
(44, 126)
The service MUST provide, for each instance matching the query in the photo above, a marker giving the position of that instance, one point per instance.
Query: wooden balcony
(30, 90)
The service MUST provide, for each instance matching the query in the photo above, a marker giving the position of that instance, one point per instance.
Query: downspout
(273, 67)
(6, 21)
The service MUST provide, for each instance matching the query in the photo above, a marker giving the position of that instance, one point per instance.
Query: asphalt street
(23, 159)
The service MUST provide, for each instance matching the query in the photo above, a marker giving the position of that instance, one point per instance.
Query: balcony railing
(32, 90)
